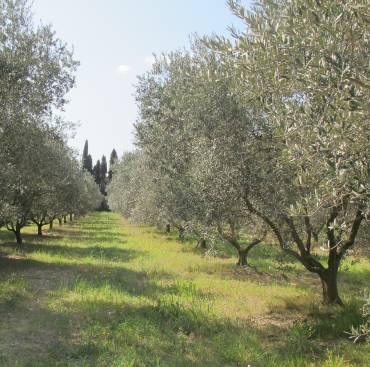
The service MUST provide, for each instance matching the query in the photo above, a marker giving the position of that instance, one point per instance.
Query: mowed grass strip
(103, 292)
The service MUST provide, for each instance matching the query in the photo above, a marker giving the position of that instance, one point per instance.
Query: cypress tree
(112, 161)
(89, 164)
(87, 159)
(85, 154)
(103, 175)
(96, 172)
(103, 168)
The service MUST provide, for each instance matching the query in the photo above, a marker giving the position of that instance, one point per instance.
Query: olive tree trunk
(329, 275)
(39, 229)
(242, 258)
(18, 236)
(330, 286)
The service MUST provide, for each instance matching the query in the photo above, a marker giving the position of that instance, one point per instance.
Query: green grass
(103, 292)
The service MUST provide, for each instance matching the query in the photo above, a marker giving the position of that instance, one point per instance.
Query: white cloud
(150, 60)
(124, 69)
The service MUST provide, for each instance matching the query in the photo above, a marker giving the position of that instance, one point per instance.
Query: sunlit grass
(103, 292)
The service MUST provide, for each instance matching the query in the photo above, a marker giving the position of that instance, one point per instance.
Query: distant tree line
(262, 136)
(102, 176)
(40, 178)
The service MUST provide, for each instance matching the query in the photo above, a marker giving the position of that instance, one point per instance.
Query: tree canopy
(40, 178)
(266, 133)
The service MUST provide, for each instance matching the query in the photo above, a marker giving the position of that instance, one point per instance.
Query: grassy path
(102, 292)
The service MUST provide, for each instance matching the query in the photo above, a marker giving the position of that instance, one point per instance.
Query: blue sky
(114, 41)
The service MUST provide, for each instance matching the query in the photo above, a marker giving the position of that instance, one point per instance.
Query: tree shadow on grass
(83, 246)
(167, 334)
(251, 273)
(96, 324)
(135, 283)
(100, 328)
(90, 225)
(69, 232)
(100, 333)
(97, 276)
(113, 254)
(30, 238)
(172, 334)
(96, 239)
(268, 271)
(83, 232)
(89, 233)
(28, 332)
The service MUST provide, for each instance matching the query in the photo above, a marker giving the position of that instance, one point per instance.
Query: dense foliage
(266, 133)
(40, 180)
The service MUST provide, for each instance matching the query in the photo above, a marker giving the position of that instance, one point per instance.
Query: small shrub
(362, 331)
(303, 329)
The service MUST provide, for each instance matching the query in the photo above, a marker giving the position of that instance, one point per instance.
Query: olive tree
(304, 65)
(65, 186)
(199, 140)
(135, 192)
(26, 185)
(36, 72)
(163, 137)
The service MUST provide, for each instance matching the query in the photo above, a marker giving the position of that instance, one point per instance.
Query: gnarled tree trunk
(243, 253)
(243, 256)
(18, 236)
(39, 229)
(337, 247)
(330, 286)
(17, 232)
